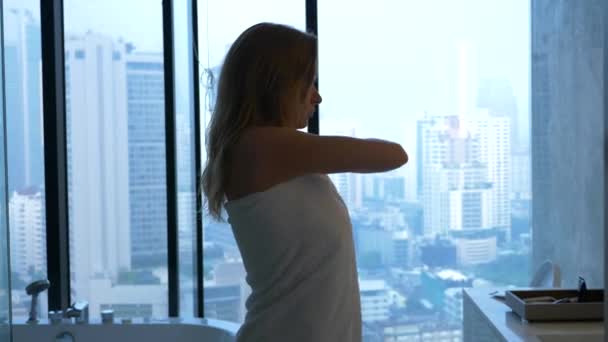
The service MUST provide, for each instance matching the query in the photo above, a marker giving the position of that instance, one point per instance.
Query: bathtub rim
(229, 327)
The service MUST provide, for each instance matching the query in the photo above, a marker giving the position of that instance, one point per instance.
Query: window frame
(55, 152)
(56, 163)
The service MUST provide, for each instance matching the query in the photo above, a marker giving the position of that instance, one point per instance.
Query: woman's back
(297, 246)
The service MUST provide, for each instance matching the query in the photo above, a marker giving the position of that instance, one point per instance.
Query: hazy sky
(380, 63)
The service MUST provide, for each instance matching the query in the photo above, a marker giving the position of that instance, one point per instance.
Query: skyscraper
(97, 159)
(28, 235)
(23, 81)
(423, 125)
(147, 167)
(465, 173)
(495, 147)
(497, 96)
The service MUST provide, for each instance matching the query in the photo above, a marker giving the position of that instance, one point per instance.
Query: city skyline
(429, 69)
(116, 172)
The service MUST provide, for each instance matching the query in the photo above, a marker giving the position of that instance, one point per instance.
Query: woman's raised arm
(285, 153)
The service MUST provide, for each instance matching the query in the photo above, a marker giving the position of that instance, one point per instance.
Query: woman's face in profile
(306, 107)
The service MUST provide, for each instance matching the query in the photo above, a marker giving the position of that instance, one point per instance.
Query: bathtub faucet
(79, 311)
(34, 289)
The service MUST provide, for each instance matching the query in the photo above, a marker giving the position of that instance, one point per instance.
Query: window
(446, 80)
(219, 25)
(185, 153)
(5, 294)
(117, 193)
(25, 155)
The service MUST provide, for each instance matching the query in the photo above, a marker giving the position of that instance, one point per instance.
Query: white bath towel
(297, 246)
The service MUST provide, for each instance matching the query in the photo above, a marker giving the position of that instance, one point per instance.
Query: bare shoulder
(253, 165)
(257, 136)
(264, 144)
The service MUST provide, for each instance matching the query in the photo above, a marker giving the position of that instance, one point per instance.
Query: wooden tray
(590, 310)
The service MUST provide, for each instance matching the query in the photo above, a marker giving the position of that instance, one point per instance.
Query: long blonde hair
(266, 68)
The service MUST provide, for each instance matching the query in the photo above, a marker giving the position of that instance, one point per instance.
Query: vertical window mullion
(605, 67)
(312, 27)
(199, 308)
(55, 153)
(4, 246)
(170, 136)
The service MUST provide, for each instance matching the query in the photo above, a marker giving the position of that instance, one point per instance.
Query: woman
(291, 226)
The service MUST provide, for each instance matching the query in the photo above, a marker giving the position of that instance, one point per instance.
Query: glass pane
(449, 81)
(5, 289)
(23, 87)
(116, 156)
(186, 180)
(219, 25)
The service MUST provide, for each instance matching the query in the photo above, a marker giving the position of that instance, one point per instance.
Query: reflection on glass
(5, 289)
(439, 78)
(25, 156)
(116, 157)
(186, 180)
(219, 25)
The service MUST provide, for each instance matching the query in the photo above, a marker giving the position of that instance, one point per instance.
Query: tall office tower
(465, 173)
(27, 231)
(460, 198)
(147, 167)
(423, 156)
(98, 168)
(497, 96)
(23, 81)
(494, 133)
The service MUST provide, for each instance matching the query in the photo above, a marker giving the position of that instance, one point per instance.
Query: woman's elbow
(402, 156)
(398, 157)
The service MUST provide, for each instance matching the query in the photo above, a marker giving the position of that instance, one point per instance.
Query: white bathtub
(199, 330)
